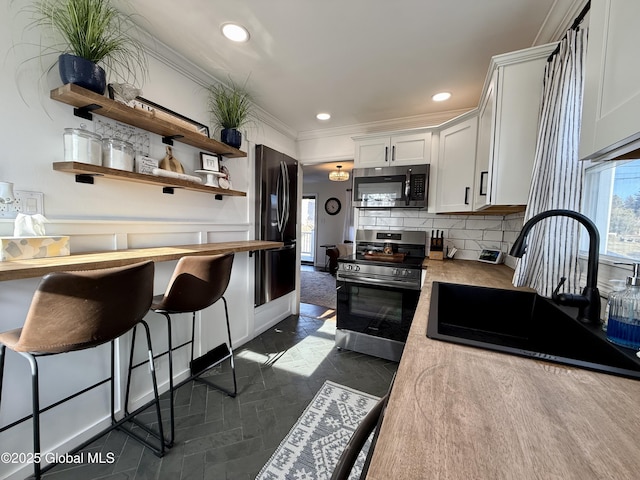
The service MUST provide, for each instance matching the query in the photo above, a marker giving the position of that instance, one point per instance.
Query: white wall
(113, 215)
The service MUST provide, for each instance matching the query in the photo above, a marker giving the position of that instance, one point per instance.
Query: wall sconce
(6, 192)
(338, 175)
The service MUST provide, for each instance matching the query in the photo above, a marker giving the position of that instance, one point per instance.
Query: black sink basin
(523, 323)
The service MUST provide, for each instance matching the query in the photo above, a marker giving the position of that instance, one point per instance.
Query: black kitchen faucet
(589, 301)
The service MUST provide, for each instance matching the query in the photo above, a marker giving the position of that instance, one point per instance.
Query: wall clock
(332, 206)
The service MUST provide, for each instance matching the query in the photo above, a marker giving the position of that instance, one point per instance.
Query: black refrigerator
(276, 213)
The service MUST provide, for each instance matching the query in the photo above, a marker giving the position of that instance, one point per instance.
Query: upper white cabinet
(455, 166)
(484, 151)
(411, 148)
(610, 118)
(508, 118)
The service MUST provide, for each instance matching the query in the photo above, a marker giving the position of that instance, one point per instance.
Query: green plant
(94, 30)
(231, 106)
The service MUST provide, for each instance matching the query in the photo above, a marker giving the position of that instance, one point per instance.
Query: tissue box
(23, 248)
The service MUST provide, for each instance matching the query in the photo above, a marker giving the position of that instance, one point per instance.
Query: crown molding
(383, 126)
(558, 21)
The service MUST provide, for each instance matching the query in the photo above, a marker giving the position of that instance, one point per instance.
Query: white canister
(117, 154)
(81, 145)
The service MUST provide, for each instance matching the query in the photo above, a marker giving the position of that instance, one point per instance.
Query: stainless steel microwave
(391, 187)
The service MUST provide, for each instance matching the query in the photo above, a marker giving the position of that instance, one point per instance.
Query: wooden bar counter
(458, 412)
(38, 267)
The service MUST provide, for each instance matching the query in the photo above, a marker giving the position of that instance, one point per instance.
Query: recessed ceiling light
(441, 97)
(235, 32)
(323, 116)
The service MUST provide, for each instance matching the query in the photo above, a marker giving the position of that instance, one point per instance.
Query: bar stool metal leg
(196, 376)
(130, 416)
(2, 353)
(35, 399)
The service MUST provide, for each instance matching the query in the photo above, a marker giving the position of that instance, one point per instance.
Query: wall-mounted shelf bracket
(168, 190)
(168, 140)
(85, 112)
(84, 178)
(218, 196)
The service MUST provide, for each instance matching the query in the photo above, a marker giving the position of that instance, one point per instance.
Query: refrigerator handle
(278, 188)
(287, 195)
(282, 201)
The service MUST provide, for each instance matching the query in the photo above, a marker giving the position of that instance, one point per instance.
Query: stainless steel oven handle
(378, 281)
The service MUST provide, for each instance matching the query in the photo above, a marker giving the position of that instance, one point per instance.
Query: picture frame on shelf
(209, 162)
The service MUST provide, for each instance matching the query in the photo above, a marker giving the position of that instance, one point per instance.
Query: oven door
(377, 310)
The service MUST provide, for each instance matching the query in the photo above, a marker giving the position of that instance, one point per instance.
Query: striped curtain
(552, 250)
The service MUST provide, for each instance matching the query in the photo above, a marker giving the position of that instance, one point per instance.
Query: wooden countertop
(459, 412)
(38, 267)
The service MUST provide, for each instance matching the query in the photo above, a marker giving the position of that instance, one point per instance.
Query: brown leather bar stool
(73, 311)
(197, 283)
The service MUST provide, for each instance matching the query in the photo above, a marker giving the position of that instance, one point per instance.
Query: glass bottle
(623, 327)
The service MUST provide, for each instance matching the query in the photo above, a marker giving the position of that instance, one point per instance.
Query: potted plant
(88, 33)
(231, 107)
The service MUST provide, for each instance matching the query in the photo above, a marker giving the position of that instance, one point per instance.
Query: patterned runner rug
(314, 444)
(318, 288)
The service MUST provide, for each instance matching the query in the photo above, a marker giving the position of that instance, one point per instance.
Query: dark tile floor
(218, 437)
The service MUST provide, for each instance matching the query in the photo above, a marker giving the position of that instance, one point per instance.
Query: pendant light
(338, 175)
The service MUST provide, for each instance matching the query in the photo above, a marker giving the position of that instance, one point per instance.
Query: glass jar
(81, 145)
(623, 327)
(117, 154)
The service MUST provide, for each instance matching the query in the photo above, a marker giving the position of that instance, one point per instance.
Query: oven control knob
(405, 273)
(395, 271)
(357, 268)
(349, 267)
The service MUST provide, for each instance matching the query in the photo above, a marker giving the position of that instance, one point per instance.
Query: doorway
(308, 229)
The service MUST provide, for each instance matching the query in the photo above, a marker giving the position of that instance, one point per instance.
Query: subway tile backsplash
(468, 233)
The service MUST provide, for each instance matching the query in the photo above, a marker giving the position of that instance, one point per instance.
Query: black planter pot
(231, 137)
(82, 72)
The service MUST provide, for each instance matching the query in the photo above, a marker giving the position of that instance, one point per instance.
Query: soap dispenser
(623, 327)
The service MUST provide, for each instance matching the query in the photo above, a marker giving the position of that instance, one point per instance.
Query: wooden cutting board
(169, 162)
(385, 257)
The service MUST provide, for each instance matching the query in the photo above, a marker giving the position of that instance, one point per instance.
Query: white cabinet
(455, 167)
(409, 148)
(610, 119)
(508, 118)
(484, 151)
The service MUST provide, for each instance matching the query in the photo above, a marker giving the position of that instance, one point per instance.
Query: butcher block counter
(38, 267)
(458, 412)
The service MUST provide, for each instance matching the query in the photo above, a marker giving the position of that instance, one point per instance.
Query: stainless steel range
(378, 289)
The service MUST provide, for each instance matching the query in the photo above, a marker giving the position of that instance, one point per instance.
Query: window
(612, 201)
(308, 229)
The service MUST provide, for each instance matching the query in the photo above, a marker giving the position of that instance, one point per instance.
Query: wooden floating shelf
(91, 102)
(90, 170)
